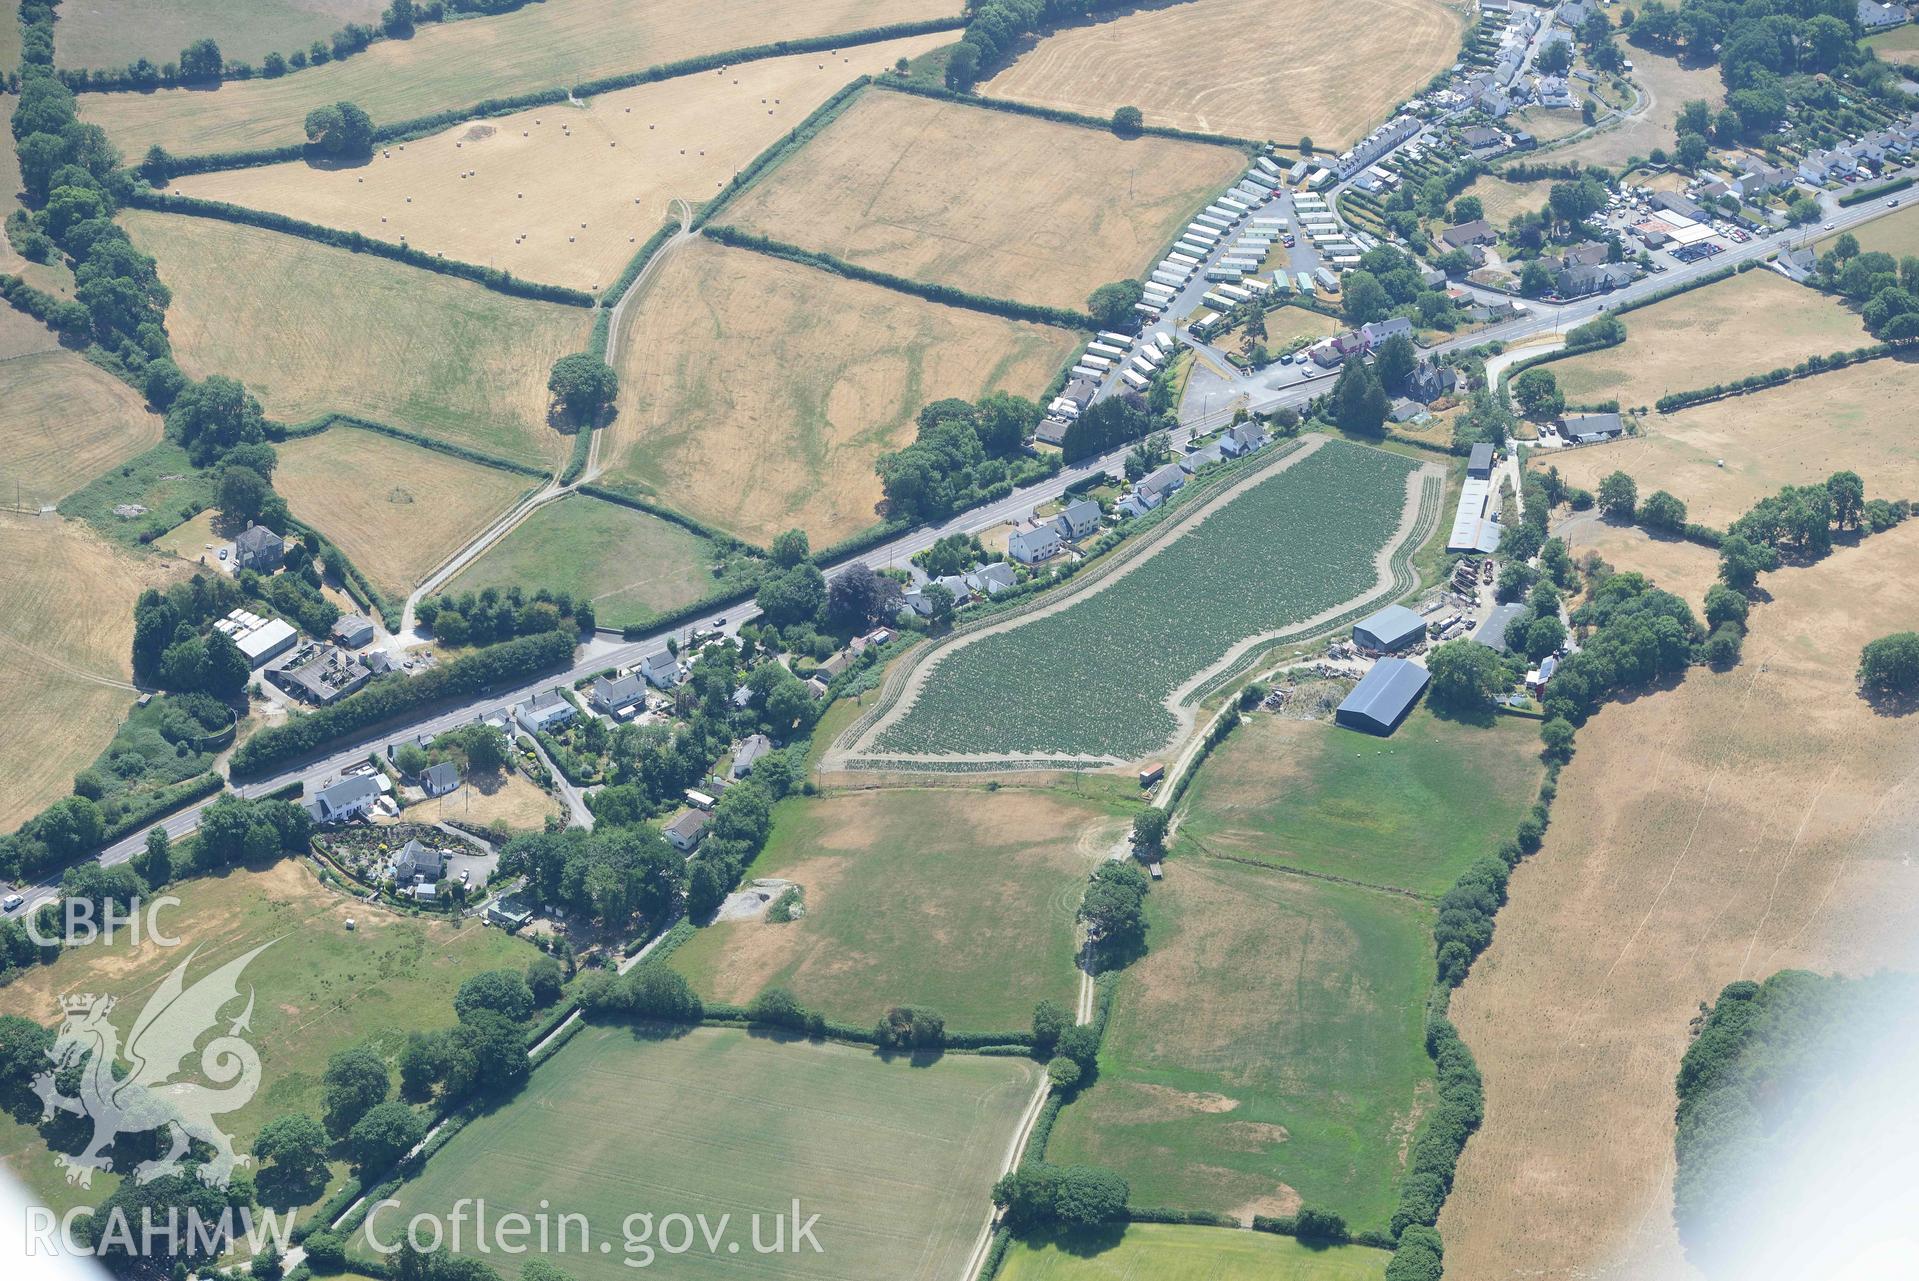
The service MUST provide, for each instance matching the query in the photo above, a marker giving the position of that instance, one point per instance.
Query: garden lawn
(633, 566)
(1268, 1050)
(1093, 676)
(896, 1159)
(1410, 811)
(1168, 1252)
(961, 900)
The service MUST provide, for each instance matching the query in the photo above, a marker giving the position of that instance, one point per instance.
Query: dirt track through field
(1742, 823)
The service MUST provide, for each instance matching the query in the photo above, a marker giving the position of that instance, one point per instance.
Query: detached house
(438, 780)
(1078, 520)
(1242, 439)
(661, 669)
(1430, 380)
(687, 831)
(348, 799)
(258, 549)
(618, 697)
(1157, 486)
(1476, 232)
(1030, 546)
(544, 711)
(416, 863)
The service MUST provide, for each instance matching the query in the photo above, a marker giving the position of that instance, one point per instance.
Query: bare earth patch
(1742, 823)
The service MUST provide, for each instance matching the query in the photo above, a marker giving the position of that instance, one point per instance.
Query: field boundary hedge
(1808, 368)
(1860, 195)
(1057, 116)
(794, 139)
(505, 282)
(465, 453)
(617, 290)
(487, 108)
(946, 295)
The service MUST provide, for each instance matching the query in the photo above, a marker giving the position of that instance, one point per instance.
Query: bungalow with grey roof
(749, 753)
(687, 831)
(438, 780)
(1585, 429)
(1476, 232)
(991, 580)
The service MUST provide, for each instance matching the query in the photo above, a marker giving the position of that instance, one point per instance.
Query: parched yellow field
(1753, 323)
(1895, 234)
(66, 641)
(1853, 419)
(1746, 822)
(311, 329)
(396, 510)
(508, 800)
(1667, 86)
(458, 64)
(756, 394)
(112, 33)
(63, 421)
(997, 204)
(1326, 69)
(1504, 200)
(1683, 568)
(563, 194)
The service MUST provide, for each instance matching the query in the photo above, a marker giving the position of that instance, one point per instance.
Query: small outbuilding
(1394, 627)
(1479, 465)
(353, 630)
(1380, 701)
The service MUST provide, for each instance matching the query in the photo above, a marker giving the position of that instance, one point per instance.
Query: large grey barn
(1380, 701)
(1393, 627)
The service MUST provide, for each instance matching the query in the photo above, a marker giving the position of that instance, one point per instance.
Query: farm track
(553, 490)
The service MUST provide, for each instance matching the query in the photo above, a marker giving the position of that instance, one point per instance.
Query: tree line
(963, 454)
(494, 614)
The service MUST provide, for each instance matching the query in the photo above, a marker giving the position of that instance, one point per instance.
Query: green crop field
(321, 988)
(962, 901)
(1166, 1252)
(633, 566)
(896, 1159)
(1410, 811)
(311, 329)
(1093, 677)
(1267, 1050)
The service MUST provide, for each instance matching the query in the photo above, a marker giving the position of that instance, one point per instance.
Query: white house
(545, 711)
(348, 799)
(661, 669)
(1244, 438)
(686, 831)
(1030, 546)
(1157, 486)
(991, 580)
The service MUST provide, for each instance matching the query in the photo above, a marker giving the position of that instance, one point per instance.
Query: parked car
(11, 903)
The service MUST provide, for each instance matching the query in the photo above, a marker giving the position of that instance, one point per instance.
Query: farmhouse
(352, 630)
(1030, 546)
(1079, 519)
(258, 549)
(416, 863)
(685, 832)
(348, 799)
(750, 751)
(618, 698)
(1586, 429)
(438, 780)
(661, 669)
(546, 710)
(1380, 701)
(1394, 627)
(1430, 380)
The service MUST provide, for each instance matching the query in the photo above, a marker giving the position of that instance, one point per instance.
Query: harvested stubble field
(63, 420)
(1682, 568)
(112, 33)
(997, 204)
(65, 646)
(1093, 673)
(896, 1160)
(1321, 798)
(956, 899)
(458, 64)
(1333, 70)
(397, 510)
(311, 329)
(631, 565)
(1166, 1252)
(755, 394)
(1666, 86)
(1853, 419)
(320, 991)
(1753, 323)
(1267, 1050)
(1745, 822)
(562, 194)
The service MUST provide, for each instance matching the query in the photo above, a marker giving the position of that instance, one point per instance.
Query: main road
(1262, 392)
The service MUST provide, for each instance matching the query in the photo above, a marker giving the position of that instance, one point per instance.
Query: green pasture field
(453, 65)
(112, 33)
(632, 565)
(320, 987)
(896, 1159)
(161, 480)
(956, 899)
(1267, 1050)
(311, 330)
(1169, 1252)
(1895, 234)
(1093, 677)
(1410, 811)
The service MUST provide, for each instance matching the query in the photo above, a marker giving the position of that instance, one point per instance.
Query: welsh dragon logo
(146, 1097)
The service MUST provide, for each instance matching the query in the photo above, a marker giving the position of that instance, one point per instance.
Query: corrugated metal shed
(1380, 701)
(1391, 628)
